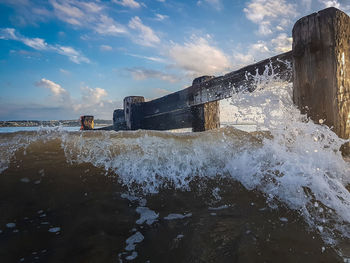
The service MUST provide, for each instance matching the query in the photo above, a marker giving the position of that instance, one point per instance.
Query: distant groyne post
(321, 69)
(86, 122)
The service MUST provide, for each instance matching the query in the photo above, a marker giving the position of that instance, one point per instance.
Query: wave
(296, 162)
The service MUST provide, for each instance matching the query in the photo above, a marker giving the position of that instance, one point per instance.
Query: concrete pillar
(206, 116)
(132, 117)
(321, 68)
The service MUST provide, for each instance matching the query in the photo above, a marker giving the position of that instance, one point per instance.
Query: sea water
(280, 192)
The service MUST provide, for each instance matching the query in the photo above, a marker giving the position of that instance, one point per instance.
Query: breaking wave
(290, 159)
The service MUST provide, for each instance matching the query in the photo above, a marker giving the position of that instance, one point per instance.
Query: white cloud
(87, 14)
(282, 43)
(142, 73)
(65, 72)
(26, 13)
(94, 16)
(36, 43)
(262, 50)
(92, 101)
(198, 57)
(60, 95)
(155, 59)
(8, 33)
(107, 26)
(68, 11)
(160, 17)
(40, 44)
(55, 88)
(106, 48)
(259, 47)
(330, 3)
(91, 7)
(158, 92)
(242, 60)
(258, 10)
(254, 53)
(93, 96)
(71, 53)
(343, 5)
(307, 4)
(127, 3)
(146, 36)
(265, 28)
(269, 14)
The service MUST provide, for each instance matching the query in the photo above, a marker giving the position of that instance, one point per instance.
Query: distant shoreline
(52, 123)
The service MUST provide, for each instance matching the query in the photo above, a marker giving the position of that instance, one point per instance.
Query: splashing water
(300, 164)
(297, 162)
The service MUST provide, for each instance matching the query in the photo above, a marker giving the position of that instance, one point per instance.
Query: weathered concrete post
(205, 116)
(321, 68)
(132, 118)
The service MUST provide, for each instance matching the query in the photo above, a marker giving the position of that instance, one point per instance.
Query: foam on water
(177, 216)
(297, 163)
(146, 215)
(133, 240)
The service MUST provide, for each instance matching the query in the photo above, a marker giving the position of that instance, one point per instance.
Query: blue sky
(60, 59)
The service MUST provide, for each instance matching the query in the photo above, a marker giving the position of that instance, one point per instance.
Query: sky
(60, 59)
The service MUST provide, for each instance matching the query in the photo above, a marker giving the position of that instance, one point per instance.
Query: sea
(269, 186)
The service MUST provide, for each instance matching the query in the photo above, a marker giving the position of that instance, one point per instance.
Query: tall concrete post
(321, 68)
(132, 116)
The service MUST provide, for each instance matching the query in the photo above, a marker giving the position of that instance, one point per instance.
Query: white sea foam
(284, 219)
(54, 229)
(177, 216)
(219, 207)
(25, 180)
(216, 194)
(179, 236)
(133, 240)
(147, 215)
(132, 256)
(11, 225)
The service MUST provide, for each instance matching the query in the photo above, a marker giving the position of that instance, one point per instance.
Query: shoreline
(51, 123)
